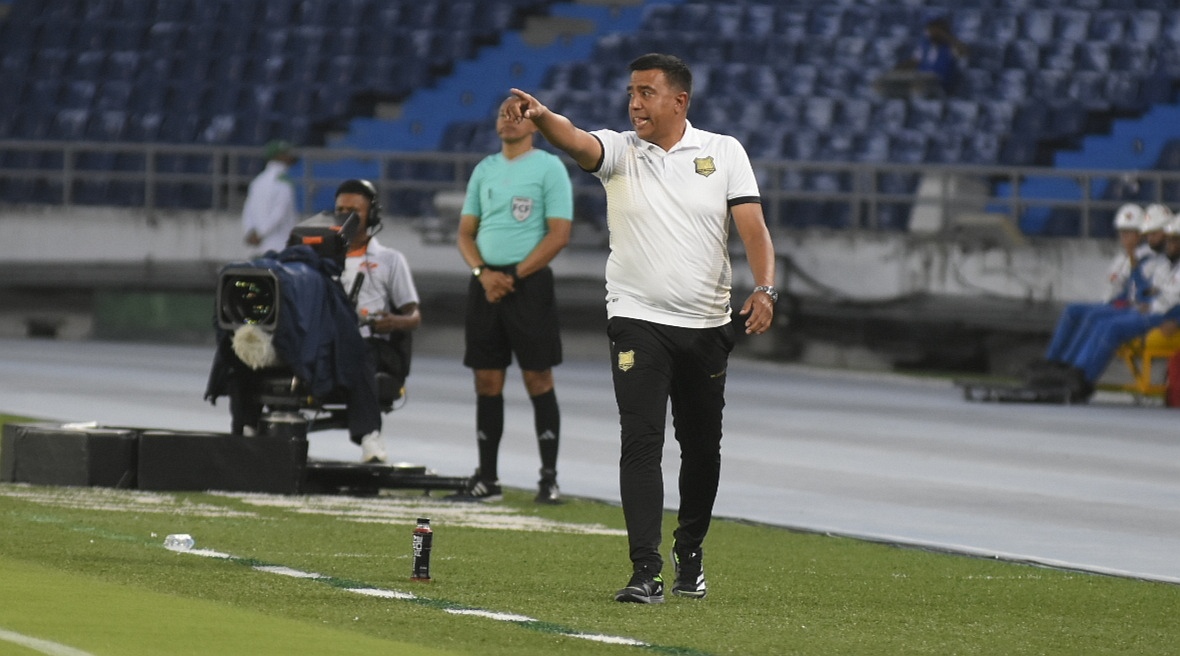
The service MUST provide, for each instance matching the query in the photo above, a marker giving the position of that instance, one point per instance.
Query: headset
(366, 189)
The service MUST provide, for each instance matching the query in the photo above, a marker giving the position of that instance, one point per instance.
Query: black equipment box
(66, 454)
(195, 461)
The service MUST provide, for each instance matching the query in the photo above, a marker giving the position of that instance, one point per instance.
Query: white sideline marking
(491, 615)
(384, 594)
(287, 571)
(612, 640)
(43, 646)
(406, 596)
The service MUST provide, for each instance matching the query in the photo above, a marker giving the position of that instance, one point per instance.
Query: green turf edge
(95, 616)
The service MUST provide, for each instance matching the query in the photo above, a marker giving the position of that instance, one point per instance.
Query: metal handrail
(226, 171)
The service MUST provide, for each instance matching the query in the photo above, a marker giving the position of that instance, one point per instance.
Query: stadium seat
(890, 116)
(982, 148)
(1023, 54)
(1037, 25)
(1108, 26)
(1059, 56)
(908, 146)
(1071, 25)
(872, 147)
(1012, 84)
(925, 115)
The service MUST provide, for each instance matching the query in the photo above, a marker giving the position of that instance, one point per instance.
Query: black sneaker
(644, 588)
(478, 490)
(547, 490)
(690, 573)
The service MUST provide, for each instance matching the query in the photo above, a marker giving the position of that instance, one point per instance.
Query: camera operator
(386, 299)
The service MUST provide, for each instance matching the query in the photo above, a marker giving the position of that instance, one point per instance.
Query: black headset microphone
(373, 224)
(366, 189)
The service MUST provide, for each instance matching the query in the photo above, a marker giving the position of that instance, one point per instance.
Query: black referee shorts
(523, 323)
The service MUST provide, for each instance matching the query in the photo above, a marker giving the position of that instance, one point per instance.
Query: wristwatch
(770, 291)
(476, 271)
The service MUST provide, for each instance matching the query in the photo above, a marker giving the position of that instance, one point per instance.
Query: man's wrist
(769, 290)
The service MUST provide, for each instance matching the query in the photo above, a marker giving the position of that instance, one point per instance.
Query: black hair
(675, 70)
(362, 187)
(366, 189)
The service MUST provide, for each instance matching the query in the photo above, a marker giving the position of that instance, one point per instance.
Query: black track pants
(652, 363)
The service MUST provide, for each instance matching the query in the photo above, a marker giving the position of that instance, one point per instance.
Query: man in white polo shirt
(670, 190)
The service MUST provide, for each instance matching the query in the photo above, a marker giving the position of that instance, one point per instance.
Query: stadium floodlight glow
(247, 296)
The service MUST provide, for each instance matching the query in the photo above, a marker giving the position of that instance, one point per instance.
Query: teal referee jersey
(513, 200)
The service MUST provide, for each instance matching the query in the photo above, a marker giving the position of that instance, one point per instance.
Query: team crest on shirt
(626, 360)
(522, 208)
(705, 166)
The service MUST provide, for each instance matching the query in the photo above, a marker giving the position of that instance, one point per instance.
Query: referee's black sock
(547, 421)
(489, 428)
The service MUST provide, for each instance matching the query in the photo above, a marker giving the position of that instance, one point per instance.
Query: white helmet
(1155, 218)
(1173, 227)
(1129, 217)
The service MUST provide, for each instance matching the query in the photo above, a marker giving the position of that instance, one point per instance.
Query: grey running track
(877, 456)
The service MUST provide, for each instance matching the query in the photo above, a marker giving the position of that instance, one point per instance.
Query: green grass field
(85, 568)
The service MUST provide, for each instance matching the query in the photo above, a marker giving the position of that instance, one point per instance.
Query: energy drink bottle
(422, 542)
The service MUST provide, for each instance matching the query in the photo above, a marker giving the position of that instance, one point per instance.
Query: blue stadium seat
(890, 115)
(975, 83)
(856, 114)
(800, 81)
(1059, 55)
(925, 115)
(872, 147)
(1022, 54)
(1049, 84)
(1012, 84)
(995, 116)
(1108, 26)
(961, 116)
(163, 37)
(946, 148)
(1071, 25)
(908, 147)
(1018, 150)
(985, 56)
(79, 94)
(1036, 25)
(1000, 26)
(1126, 92)
(1031, 120)
(982, 148)
(826, 20)
(1136, 57)
(1089, 89)
(801, 145)
(1146, 26)
(819, 112)
(122, 65)
(110, 125)
(70, 124)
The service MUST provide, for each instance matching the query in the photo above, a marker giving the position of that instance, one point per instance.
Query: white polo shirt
(668, 215)
(387, 285)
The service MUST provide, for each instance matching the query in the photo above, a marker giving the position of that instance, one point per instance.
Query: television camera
(290, 355)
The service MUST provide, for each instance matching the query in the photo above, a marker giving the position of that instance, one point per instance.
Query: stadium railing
(796, 194)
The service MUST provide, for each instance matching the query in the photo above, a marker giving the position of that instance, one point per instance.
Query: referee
(515, 220)
(670, 190)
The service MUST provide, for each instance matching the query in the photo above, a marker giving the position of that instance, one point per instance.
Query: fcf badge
(522, 207)
(626, 360)
(705, 166)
